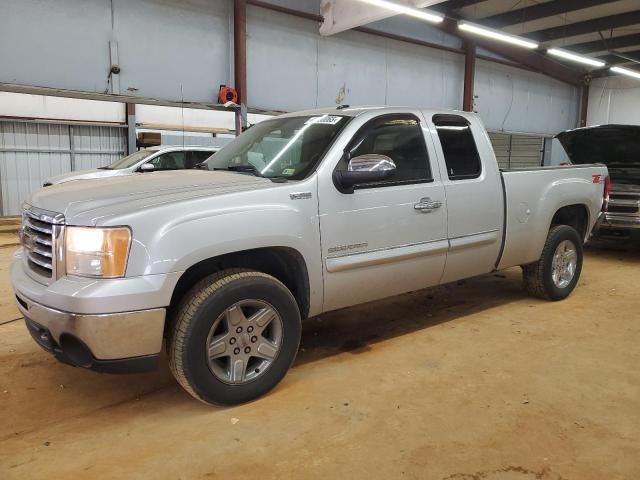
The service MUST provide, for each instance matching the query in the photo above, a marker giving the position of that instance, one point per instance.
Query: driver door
(387, 237)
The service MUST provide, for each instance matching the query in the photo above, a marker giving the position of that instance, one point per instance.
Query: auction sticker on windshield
(324, 120)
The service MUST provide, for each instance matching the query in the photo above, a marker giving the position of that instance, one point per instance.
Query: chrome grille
(624, 202)
(40, 231)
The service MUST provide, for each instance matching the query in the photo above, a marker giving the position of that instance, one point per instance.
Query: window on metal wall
(459, 148)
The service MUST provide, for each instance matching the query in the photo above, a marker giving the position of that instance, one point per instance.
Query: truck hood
(616, 146)
(85, 175)
(86, 201)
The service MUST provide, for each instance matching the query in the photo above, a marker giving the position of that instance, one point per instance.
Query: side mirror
(147, 167)
(364, 169)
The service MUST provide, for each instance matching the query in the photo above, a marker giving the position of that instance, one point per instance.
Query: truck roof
(349, 111)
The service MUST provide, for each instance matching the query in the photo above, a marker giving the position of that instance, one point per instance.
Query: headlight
(97, 252)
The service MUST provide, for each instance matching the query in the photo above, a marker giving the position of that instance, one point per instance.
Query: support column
(72, 148)
(131, 128)
(240, 60)
(469, 75)
(584, 102)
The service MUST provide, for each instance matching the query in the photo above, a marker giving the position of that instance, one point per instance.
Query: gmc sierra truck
(617, 147)
(302, 214)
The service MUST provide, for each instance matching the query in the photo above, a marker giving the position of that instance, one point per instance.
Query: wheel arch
(283, 263)
(575, 215)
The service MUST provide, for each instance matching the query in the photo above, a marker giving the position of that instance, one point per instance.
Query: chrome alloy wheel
(564, 263)
(244, 341)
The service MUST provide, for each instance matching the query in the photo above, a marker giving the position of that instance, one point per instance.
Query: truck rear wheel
(235, 336)
(556, 273)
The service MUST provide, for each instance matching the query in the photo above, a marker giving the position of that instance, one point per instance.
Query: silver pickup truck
(302, 214)
(617, 147)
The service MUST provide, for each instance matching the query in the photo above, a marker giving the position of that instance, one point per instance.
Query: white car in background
(147, 160)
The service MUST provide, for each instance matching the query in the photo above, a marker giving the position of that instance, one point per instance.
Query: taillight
(605, 193)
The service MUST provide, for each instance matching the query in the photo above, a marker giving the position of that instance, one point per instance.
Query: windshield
(288, 147)
(130, 160)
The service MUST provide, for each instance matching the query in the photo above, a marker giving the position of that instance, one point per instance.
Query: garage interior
(472, 380)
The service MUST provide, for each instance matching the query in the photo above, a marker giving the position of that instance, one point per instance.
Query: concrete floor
(474, 381)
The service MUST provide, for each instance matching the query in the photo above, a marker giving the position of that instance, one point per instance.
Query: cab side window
(459, 148)
(400, 138)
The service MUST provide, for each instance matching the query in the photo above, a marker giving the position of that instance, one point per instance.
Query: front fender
(189, 241)
(183, 235)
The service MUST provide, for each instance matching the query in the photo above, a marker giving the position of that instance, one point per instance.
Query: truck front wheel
(235, 335)
(556, 273)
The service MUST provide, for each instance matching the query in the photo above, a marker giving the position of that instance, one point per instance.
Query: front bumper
(77, 354)
(125, 342)
(127, 336)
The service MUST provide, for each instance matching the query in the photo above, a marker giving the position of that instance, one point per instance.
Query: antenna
(182, 112)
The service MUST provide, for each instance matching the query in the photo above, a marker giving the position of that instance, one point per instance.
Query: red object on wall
(227, 94)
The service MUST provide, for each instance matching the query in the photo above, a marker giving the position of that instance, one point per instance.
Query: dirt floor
(473, 381)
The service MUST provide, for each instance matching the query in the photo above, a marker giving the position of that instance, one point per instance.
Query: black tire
(537, 276)
(201, 307)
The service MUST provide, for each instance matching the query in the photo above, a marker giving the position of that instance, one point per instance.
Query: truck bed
(531, 193)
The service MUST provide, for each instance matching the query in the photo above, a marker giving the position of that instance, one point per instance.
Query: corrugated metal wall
(191, 140)
(526, 151)
(514, 100)
(32, 152)
(517, 150)
(29, 153)
(165, 48)
(97, 146)
(351, 67)
(614, 100)
(501, 147)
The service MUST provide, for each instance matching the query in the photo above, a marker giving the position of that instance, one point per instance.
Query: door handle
(427, 205)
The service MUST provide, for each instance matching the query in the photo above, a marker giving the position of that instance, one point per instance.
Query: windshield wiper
(243, 169)
(105, 168)
(254, 170)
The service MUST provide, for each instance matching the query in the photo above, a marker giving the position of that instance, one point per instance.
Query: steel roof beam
(536, 12)
(452, 5)
(588, 26)
(622, 41)
(621, 57)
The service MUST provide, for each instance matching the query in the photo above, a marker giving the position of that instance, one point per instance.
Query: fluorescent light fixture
(575, 58)
(626, 71)
(497, 35)
(412, 12)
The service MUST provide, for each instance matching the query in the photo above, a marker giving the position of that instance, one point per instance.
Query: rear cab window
(458, 146)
